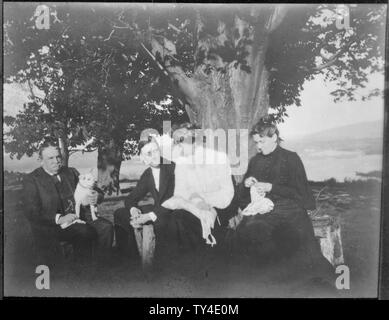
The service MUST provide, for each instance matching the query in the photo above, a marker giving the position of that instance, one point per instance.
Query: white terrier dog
(84, 190)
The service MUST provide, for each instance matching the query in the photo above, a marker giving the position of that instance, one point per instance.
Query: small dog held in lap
(84, 189)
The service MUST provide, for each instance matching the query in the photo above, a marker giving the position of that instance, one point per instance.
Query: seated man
(49, 203)
(157, 180)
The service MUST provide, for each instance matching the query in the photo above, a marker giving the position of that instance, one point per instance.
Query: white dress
(205, 177)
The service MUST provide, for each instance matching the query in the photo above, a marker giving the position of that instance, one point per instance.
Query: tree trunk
(63, 147)
(228, 97)
(109, 161)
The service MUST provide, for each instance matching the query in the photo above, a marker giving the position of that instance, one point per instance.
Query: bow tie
(56, 178)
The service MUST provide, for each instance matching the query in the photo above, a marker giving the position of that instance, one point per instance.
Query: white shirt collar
(155, 172)
(52, 174)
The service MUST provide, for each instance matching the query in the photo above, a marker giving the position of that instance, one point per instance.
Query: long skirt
(284, 240)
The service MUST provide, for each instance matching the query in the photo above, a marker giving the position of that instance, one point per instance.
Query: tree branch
(83, 148)
(117, 27)
(175, 73)
(174, 28)
(335, 57)
(73, 151)
(31, 88)
(277, 17)
(110, 35)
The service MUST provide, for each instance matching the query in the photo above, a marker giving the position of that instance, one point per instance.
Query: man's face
(265, 144)
(151, 155)
(51, 160)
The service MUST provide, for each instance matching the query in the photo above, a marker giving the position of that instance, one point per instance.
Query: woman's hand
(202, 205)
(174, 203)
(250, 181)
(199, 202)
(263, 186)
(195, 196)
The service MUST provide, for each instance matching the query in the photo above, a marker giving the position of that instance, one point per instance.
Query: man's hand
(93, 196)
(140, 220)
(195, 195)
(249, 182)
(69, 218)
(263, 186)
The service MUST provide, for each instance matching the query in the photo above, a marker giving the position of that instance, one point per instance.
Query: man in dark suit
(49, 203)
(175, 231)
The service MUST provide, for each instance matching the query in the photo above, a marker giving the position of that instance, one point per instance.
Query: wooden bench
(328, 232)
(145, 240)
(326, 228)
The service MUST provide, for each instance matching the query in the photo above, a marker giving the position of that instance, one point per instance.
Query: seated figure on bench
(49, 203)
(285, 230)
(189, 190)
(158, 181)
(203, 184)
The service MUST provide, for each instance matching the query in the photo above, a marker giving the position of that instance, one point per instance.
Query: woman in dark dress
(285, 233)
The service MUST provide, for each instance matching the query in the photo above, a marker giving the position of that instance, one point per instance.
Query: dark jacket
(285, 171)
(146, 185)
(41, 198)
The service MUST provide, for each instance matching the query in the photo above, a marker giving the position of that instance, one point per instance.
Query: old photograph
(192, 150)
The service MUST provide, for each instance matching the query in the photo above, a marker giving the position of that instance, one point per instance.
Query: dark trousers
(105, 233)
(167, 233)
(176, 233)
(124, 234)
(83, 237)
(178, 237)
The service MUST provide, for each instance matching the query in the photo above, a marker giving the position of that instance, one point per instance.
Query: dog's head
(87, 180)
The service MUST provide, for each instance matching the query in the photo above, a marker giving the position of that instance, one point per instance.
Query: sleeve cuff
(152, 215)
(57, 216)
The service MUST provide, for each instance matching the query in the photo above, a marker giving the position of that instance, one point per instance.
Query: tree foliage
(104, 68)
(96, 92)
(304, 41)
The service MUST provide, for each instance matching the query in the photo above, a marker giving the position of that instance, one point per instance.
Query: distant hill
(366, 137)
(363, 130)
(344, 142)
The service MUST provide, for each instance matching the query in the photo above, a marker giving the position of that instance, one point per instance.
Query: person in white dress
(203, 181)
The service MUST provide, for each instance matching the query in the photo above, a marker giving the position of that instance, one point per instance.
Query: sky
(318, 111)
